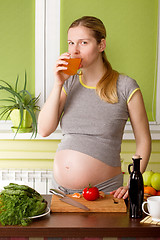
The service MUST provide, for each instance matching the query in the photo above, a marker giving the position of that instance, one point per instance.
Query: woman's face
(82, 44)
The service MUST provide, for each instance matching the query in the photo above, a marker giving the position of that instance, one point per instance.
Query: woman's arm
(140, 125)
(49, 116)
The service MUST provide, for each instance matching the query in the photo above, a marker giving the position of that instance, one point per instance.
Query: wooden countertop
(83, 225)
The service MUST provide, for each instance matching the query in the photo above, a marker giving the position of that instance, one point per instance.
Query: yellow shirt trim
(80, 80)
(64, 90)
(135, 90)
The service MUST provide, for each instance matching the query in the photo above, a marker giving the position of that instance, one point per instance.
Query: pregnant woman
(92, 107)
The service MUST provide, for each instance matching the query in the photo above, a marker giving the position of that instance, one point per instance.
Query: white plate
(47, 211)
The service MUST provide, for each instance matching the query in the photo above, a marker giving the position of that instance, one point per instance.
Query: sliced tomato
(76, 195)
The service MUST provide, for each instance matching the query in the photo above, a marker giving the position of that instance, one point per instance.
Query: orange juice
(73, 66)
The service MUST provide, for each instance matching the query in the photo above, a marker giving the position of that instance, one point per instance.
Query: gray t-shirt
(92, 126)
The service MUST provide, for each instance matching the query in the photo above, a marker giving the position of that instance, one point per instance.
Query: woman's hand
(121, 192)
(61, 65)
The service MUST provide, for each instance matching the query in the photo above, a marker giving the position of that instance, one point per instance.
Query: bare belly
(76, 170)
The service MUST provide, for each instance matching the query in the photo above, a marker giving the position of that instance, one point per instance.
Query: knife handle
(57, 192)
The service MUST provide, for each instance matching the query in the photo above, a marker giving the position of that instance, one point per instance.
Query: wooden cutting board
(107, 204)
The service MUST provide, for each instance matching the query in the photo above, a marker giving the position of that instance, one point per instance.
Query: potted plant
(21, 107)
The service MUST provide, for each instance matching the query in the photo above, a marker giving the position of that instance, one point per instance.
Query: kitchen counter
(82, 225)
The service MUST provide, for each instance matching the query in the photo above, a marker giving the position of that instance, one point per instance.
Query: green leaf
(17, 205)
(16, 85)
(21, 118)
(6, 84)
(34, 121)
(25, 82)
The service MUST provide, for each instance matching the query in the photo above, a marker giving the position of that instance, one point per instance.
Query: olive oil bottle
(136, 188)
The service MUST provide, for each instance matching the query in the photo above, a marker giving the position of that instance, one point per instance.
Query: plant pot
(26, 125)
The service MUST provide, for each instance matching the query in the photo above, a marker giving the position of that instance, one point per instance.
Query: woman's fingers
(125, 195)
(61, 64)
(121, 192)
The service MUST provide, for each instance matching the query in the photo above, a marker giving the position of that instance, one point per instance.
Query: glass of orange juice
(73, 66)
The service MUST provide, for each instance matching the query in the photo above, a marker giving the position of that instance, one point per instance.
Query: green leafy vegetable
(18, 203)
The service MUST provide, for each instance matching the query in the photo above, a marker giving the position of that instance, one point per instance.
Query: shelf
(7, 134)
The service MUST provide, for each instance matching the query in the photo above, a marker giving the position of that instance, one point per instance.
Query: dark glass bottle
(136, 188)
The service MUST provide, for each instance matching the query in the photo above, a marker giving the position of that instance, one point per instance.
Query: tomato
(91, 193)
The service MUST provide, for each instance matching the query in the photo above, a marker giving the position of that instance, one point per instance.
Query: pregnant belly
(75, 170)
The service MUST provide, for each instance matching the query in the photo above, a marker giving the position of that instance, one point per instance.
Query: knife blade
(68, 200)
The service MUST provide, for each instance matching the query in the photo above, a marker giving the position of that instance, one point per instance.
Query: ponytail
(107, 86)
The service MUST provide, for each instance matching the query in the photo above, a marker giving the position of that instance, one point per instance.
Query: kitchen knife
(68, 200)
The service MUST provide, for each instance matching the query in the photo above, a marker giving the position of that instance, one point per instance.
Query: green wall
(132, 34)
(17, 41)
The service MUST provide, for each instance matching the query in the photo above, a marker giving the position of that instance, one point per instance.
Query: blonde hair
(107, 86)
